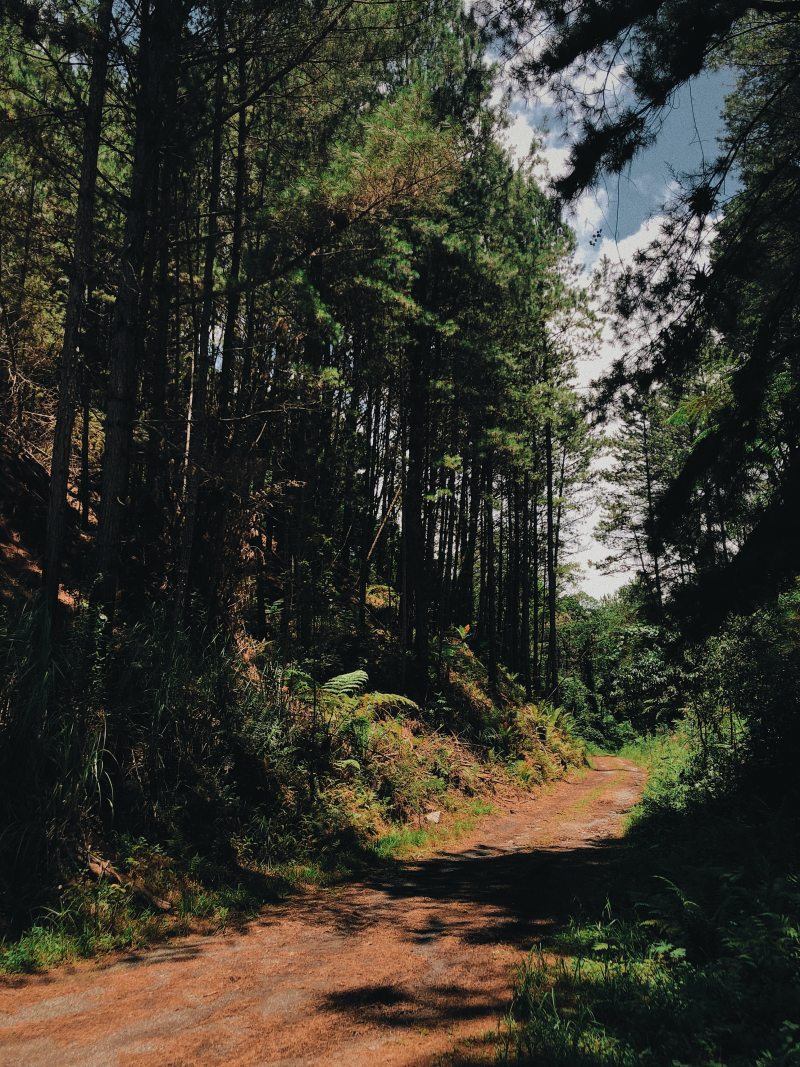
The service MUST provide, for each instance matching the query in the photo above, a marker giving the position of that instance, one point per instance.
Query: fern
(388, 703)
(298, 682)
(347, 685)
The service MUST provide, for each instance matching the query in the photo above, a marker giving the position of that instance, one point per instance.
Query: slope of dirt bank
(397, 969)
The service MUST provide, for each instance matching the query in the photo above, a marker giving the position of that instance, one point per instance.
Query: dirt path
(396, 970)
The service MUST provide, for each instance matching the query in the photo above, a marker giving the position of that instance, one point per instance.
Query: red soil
(399, 969)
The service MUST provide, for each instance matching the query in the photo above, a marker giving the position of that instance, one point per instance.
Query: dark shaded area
(695, 960)
(449, 911)
(395, 1006)
(23, 496)
(180, 952)
(23, 507)
(524, 890)
(485, 896)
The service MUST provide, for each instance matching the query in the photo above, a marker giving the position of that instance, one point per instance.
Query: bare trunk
(234, 290)
(653, 544)
(196, 451)
(525, 637)
(159, 28)
(68, 370)
(552, 646)
(491, 585)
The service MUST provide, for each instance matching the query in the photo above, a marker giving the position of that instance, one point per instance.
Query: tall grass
(157, 732)
(52, 747)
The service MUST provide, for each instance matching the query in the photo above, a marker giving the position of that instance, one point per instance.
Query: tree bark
(160, 26)
(57, 505)
(413, 512)
(491, 585)
(552, 646)
(196, 451)
(536, 665)
(525, 637)
(651, 538)
(234, 289)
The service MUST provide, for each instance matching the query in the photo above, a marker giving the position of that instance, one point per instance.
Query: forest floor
(399, 968)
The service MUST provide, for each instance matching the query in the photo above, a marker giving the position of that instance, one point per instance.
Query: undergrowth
(696, 960)
(214, 781)
(103, 916)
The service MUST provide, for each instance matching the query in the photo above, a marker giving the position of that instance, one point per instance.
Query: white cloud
(593, 581)
(588, 216)
(622, 253)
(553, 163)
(518, 138)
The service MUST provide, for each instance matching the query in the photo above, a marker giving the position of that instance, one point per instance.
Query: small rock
(433, 816)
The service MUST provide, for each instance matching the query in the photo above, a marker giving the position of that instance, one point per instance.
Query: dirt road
(395, 970)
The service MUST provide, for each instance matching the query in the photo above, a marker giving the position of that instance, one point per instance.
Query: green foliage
(698, 959)
(352, 684)
(745, 695)
(619, 680)
(381, 704)
(389, 293)
(94, 917)
(213, 782)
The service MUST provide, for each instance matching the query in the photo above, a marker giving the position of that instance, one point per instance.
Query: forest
(297, 468)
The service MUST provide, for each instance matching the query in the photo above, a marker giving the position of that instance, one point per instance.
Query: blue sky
(622, 203)
(626, 210)
(689, 134)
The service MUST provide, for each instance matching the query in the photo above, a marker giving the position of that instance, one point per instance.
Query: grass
(93, 919)
(96, 918)
(657, 753)
(696, 959)
(221, 787)
(408, 841)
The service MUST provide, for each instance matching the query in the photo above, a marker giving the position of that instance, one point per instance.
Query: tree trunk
(536, 667)
(68, 370)
(491, 586)
(651, 538)
(526, 588)
(467, 574)
(158, 38)
(234, 289)
(414, 518)
(196, 451)
(552, 646)
(83, 491)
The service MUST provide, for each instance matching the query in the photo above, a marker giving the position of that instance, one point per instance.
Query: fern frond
(388, 703)
(298, 682)
(347, 685)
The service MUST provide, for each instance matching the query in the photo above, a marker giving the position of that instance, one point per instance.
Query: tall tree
(79, 275)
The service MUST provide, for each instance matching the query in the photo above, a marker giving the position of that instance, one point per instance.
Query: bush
(159, 731)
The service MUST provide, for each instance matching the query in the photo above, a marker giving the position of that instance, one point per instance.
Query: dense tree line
(287, 412)
(287, 348)
(286, 376)
(708, 313)
(283, 320)
(701, 406)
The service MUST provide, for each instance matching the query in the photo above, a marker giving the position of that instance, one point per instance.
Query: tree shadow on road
(484, 898)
